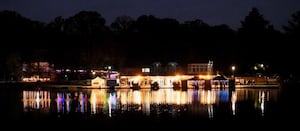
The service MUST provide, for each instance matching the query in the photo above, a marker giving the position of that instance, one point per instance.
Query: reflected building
(36, 100)
(167, 101)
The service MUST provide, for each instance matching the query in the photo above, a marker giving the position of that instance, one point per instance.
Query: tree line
(84, 41)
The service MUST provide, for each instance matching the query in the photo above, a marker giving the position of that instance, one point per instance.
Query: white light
(147, 70)
(232, 68)
(261, 65)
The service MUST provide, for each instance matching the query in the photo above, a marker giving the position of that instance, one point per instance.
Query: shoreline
(53, 85)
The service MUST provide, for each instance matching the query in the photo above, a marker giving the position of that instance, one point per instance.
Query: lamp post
(108, 69)
(232, 81)
(233, 69)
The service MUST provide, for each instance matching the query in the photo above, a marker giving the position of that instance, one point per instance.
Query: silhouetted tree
(168, 25)
(83, 40)
(57, 25)
(293, 27)
(147, 23)
(291, 42)
(14, 66)
(85, 28)
(254, 22)
(85, 22)
(55, 37)
(224, 41)
(86, 31)
(17, 29)
(122, 24)
(196, 31)
(196, 25)
(255, 34)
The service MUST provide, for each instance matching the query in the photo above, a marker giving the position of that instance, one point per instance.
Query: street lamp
(108, 69)
(232, 80)
(233, 69)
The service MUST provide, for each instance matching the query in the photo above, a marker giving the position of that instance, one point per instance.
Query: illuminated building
(200, 68)
(38, 71)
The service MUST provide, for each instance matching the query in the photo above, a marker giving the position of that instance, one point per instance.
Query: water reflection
(36, 100)
(263, 96)
(233, 101)
(204, 103)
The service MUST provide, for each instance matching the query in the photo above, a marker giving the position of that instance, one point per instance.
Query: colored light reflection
(101, 101)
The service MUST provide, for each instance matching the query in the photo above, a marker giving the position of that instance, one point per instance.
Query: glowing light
(183, 98)
(177, 95)
(124, 98)
(36, 100)
(262, 104)
(112, 100)
(233, 102)
(177, 77)
(233, 68)
(205, 77)
(261, 65)
(210, 110)
(137, 97)
(137, 79)
(146, 70)
(208, 97)
(93, 101)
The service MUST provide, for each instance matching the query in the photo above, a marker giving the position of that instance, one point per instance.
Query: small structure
(195, 82)
(98, 82)
(220, 80)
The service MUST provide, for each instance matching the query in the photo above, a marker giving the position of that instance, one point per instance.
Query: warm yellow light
(206, 77)
(137, 99)
(177, 77)
(137, 79)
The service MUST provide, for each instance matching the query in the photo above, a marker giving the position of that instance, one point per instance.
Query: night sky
(213, 12)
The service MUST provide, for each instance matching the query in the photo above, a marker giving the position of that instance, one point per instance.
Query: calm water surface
(99, 108)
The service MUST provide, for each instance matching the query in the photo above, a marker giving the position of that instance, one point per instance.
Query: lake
(54, 108)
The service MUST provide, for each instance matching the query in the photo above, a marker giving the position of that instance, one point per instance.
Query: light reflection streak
(137, 99)
(38, 100)
(93, 102)
(97, 101)
(208, 97)
(210, 110)
(262, 103)
(233, 102)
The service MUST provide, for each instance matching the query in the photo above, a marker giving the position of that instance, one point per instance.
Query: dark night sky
(213, 12)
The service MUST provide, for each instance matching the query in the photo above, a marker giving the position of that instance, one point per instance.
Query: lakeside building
(200, 68)
(195, 75)
(38, 71)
